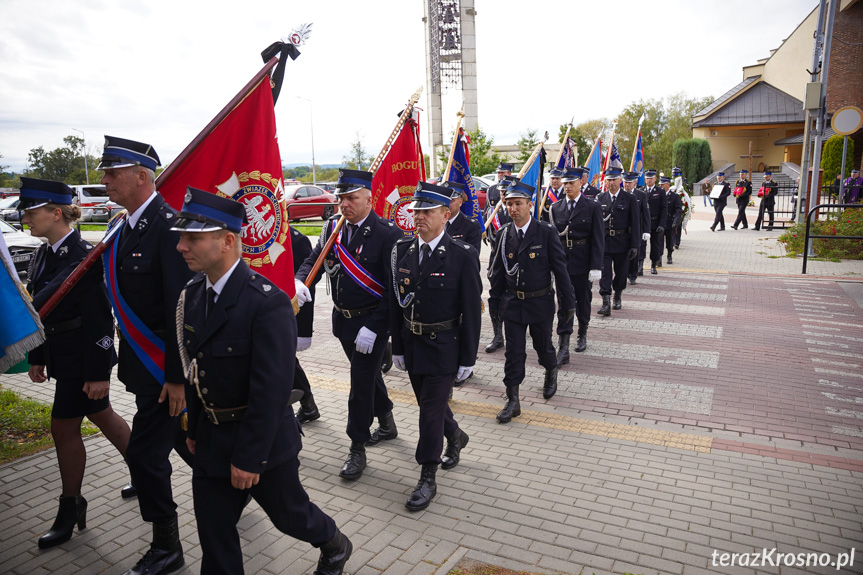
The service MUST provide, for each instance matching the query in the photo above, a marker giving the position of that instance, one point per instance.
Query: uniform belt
(613, 233)
(530, 294)
(418, 328)
(227, 415)
(570, 243)
(352, 313)
(63, 326)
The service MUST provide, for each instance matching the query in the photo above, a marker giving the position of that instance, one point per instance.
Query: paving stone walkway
(721, 411)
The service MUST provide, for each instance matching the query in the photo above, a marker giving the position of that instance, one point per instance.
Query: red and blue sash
(552, 197)
(148, 347)
(495, 222)
(356, 272)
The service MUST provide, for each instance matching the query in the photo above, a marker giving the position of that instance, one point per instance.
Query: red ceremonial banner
(240, 159)
(396, 179)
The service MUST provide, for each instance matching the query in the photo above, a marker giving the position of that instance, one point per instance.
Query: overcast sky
(158, 71)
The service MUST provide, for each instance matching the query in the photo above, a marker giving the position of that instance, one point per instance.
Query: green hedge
(846, 223)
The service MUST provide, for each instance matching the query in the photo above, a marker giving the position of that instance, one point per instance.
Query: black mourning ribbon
(283, 49)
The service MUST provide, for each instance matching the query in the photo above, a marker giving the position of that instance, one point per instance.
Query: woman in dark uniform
(79, 351)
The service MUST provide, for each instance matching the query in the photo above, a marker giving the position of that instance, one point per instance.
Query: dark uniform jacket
(467, 230)
(492, 197)
(151, 273)
(448, 288)
(641, 197)
(623, 218)
(771, 190)
(244, 348)
(301, 247)
(675, 210)
(581, 233)
(722, 200)
(370, 247)
(538, 256)
(743, 198)
(657, 204)
(82, 347)
(545, 216)
(590, 192)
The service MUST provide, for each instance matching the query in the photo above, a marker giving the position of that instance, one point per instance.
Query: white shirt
(220, 283)
(133, 218)
(56, 246)
(523, 228)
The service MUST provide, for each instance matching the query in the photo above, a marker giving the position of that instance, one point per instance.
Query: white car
(89, 196)
(21, 246)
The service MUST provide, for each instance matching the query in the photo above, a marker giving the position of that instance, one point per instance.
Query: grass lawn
(25, 426)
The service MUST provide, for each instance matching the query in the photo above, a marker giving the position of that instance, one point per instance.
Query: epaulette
(263, 285)
(460, 243)
(335, 217)
(547, 224)
(405, 239)
(390, 224)
(167, 213)
(196, 278)
(295, 232)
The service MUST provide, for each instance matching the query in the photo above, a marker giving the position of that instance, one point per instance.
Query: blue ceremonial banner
(614, 160)
(594, 162)
(460, 173)
(638, 160)
(20, 328)
(533, 177)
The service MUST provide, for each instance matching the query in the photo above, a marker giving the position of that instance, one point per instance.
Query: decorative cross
(750, 156)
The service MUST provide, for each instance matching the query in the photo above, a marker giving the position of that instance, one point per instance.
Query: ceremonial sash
(146, 345)
(495, 223)
(552, 197)
(356, 272)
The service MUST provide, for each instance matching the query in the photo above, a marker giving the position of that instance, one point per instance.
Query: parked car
(21, 246)
(104, 212)
(9, 209)
(6, 192)
(480, 184)
(88, 197)
(307, 201)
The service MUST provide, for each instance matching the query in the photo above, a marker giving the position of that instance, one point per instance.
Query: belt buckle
(416, 328)
(569, 243)
(519, 294)
(346, 313)
(612, 233)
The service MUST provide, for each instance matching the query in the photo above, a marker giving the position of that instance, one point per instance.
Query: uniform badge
(142, 224)
(188, 197)
(531, 255)
(267, 287)
(169, 215)
(401, 289)
(407, 281)
(64, 250)
(105, 343)
(509, 255)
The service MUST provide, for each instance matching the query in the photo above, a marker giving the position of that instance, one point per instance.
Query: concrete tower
(450, 65)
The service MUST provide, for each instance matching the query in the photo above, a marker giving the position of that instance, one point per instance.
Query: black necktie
(520, 235)
(425, 252)
(211, 300)
(571, 205)
(352, 229)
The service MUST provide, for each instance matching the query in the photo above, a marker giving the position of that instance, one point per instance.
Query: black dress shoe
(166, 552)
(606, 306)
(712, 229)
(670, 261)
(659, 263)
(72, 510)
(733, 227)
(128, 491)
(308, 410)
(549, 387)
(653, 270)
(356, 462)
(512, 407)
(632, 281)
(334, 554)
(386, 430)
(452, 454)
(617, 302)
(425, 490)
(581, 343)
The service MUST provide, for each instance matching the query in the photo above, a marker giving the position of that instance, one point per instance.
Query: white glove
(303, 293)
(645, 236)
(594, 275)
(304, 343)
(399, 362)
(365, 340)
(463, 372)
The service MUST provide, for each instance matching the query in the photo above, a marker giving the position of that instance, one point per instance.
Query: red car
(305, 201)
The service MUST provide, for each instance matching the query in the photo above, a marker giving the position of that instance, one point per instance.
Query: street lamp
(84, 153)
(312, 125)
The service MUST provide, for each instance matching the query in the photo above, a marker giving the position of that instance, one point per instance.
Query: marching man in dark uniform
(767, 193)
(145, 275)
(525, 254)
(239, 336)
(356, 265)
(720, 203)
(587, 189)
(460, 226)
(579, 224)
(301, 247)
(494, 193)
(555, 187)
(622, 218)
(504, 182)
(742, 193)
(435, 296)
(675, 214)
(657, 206)
(79, 348)
(630, 184)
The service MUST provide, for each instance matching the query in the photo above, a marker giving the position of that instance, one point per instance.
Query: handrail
(808, 237)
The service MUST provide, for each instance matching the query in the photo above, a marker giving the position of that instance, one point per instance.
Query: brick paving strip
(713, 413)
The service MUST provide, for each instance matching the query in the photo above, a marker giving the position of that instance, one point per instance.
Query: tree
(62, 164)
(692, 155)
(526, 143)
(358, 158)
(831, 159)
(581, 142)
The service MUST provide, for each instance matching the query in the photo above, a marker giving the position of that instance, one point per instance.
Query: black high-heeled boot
(72, 510)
